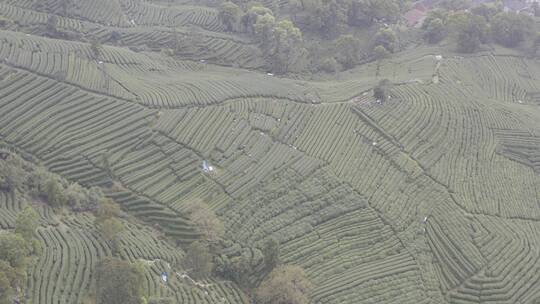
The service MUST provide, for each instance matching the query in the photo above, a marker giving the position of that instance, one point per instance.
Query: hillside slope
(430, 197)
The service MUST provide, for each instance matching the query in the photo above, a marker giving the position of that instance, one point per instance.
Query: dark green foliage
(329, 65)
(115, 36)
(14, 249)
(435, 27)
(7, 283)
(83, 199)
(348, 50)
(486, 10)
(110, 230)
(435, 30)
(535, 47)
(55, 193)
(118, 282)
(12, 174)
(264, 31)
(324, 17)
(281, 42)
(270, 252)
(382, 90)
(384, 10)
(455, 5)
(107, 209)
(96, 48)
(27, 223)
(536, 9)
(469, 31)
(380, 52)
(510, 29)
(386, 38)
(251, 17)
(230, 15)
(198, 260)
(285, 285)
(289, 52)
(52, 23)
(206, 222)
(154, 300)
(108, 224)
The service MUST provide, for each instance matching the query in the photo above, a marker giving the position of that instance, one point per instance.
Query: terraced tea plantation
(432, 196)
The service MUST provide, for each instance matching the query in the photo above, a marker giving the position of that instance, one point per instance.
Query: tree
(264, 31)
(330, 65)
(96, 48)
(536, 9)
(434, 29)
(288, 47)
(115, 36)
(324, 17)
(510, 29)
(107, 209)
(486, 10)
(14, 249)
(535, 45)
(469, 31)
(118, 282)
(52, 23)
(12, 174)
(387, 38)
(153, 300)
(26, 223)
(82, 199)
(6, 291)
(455, 5)
(387, 10)
(285, 285)
(198, 260)
(107, 222)
(206, 222)
(230, 15)
(252, 15)
(380, 52)
(271, 253)
(347, 50)
(55, 193)
(110, 228)
(37, 181)
(382, 90)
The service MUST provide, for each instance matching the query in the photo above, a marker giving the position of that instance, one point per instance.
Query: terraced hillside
(432, 196)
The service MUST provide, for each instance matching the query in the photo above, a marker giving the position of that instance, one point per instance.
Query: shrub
(199, 260)
(285, 284)
(55, 193)
(118, 282)
(382, 90)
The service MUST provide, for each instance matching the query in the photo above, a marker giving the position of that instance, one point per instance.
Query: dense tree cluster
(108, 224)
(281, 40)
(118, 281)
(16, 249)
(381, 92)
(17, 175)
(510, 29)
(206, 222)
(285, 284)
(481, 24)
(328, 17)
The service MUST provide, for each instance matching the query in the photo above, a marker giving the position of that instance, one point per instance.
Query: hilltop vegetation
(321, 151)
